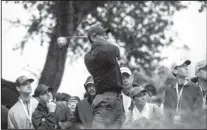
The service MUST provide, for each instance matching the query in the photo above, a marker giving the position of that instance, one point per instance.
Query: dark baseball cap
(136, 90)
(97, 29)
(41, 89)
(22, 80)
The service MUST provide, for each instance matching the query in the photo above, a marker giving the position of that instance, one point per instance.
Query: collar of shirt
(185, 84)
(26, 101)
(145, 112)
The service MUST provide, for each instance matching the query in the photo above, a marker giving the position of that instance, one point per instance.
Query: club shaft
(76, 36)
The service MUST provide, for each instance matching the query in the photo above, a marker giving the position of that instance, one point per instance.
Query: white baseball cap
(125, 70)
(180, 62)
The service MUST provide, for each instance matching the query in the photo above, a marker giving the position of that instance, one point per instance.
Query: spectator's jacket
(84, 114)
(191, 100)
(42, 118)
(17, 118)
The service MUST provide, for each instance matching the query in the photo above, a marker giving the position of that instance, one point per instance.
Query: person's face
(46, 96)
(25, 88)
(127, 80)
(100, 37)
(202, 73)
(72, 104)
(182, 71)
(91, 89)
(141, 98)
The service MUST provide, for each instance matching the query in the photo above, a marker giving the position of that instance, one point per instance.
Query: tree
(138, 27)
(64, 17)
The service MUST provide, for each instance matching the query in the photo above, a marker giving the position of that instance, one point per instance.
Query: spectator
(182, 97)
(83, 112)
(73, 101)
(142, 111)
(101, 62)
(127, 78)
(19, 116)
(201, 73)
(44, 115)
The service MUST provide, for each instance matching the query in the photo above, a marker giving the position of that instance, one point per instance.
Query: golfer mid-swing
(101, 62)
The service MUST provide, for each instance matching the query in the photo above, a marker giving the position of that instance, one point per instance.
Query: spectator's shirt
(149, 112)
(190, 100)
(204, 96)
(126, 101)
(42, 118)
(17, 118)
(102, 64)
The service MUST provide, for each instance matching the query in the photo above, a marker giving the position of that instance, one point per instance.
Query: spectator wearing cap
(83, 112)
(201, 74)
(127, 78)
(142, 112)
(44, 115)
(182, 97)
(19, 116)
(101, 62)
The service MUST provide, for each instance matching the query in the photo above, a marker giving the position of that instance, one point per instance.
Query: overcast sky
(189, 23)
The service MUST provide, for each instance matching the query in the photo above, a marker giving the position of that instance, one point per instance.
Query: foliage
(139, 27)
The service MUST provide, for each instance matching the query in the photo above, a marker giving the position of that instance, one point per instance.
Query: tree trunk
(53, 70)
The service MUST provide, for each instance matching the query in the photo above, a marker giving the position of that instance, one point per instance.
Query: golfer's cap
(22, 79)
(136, 90)
(125, 70)
(97, 29)
(41, 89)
(200, 65)
(89, 80)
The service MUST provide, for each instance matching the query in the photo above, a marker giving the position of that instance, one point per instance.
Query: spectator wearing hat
(182, 98)
(142, 112)
(44, 115)
(19, 116)
(83, 112)
(127, 78)
(101, 62)
(201, 73)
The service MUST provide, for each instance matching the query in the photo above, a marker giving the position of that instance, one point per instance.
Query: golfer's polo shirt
(102, 64)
